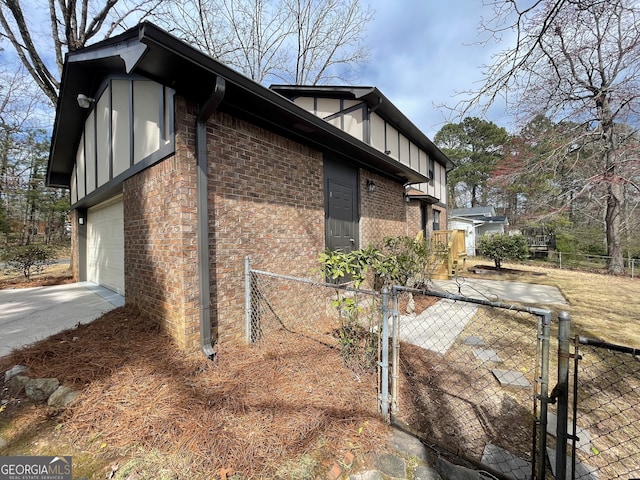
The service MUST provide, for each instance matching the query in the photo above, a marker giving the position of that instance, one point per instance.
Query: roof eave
(110, 56)
(373, 98)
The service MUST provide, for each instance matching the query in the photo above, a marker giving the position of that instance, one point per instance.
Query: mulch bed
(251, 409)
(39, 281)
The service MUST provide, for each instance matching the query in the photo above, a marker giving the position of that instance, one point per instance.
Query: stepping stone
(474, 341)
(583, 471)
(391, 465)
(511, 378)
(423, 472)
(486, 355)
(584, 442)
(506, 462)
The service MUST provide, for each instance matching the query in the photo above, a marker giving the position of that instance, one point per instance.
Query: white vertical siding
(392, 144)
(377, 132)
(121, 127)
(103, 147)
(80, 168)
(353, 124)
(74, 186)
(423, 165)
(414, 155)
(146, 117)
(126, 109)
(305, 102)
(404, 150)
(327, 106)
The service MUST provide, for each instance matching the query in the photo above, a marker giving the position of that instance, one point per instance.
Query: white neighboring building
(476, 221)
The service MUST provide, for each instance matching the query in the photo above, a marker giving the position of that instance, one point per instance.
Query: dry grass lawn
(601, 306)
(53, 275)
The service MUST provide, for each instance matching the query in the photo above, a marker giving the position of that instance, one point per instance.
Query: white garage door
(105, 244)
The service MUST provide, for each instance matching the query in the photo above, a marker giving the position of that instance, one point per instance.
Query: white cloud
(423, 53)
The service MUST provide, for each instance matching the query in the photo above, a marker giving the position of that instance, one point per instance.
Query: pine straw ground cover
(250, 410)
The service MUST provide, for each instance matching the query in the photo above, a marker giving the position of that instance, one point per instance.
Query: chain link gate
(470, 378)
(600, 418)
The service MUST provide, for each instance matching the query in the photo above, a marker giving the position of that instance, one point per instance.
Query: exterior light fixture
(371, 186)
(84, 101)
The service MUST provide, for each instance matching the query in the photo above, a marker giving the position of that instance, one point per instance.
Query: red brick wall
(267, 202)
(414, 218)
(160, 229)
(382, 212)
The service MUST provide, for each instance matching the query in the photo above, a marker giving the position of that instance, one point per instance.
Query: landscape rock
(391, 465)
(13, 371)
(62, 397)
(40, 389)
(17, 383)
(426, 473)
(449, 471)
(409, 445)
(368, 475)
(3, 443)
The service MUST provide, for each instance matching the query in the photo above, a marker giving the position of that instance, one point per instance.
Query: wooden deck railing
(456, 252)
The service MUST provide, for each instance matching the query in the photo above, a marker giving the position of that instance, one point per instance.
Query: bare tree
(66, 26)
(328, 39)
(295, 41)
(574, 60)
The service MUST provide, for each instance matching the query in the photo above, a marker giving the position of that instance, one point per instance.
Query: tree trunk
(615, 262)
(615, 190)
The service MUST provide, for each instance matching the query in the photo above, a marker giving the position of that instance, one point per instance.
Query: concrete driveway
(31, 314)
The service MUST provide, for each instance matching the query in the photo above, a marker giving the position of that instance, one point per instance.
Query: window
(436, 220)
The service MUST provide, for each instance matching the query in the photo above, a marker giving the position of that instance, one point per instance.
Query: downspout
(202, 201)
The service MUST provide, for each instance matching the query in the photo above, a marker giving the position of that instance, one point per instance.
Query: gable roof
(151, 52)
(473, 212)
(478, 215)
(375, 100)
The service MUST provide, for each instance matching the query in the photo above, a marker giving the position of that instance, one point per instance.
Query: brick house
(179, 167)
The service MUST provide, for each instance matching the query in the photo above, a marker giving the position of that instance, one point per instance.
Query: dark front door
(341, 216)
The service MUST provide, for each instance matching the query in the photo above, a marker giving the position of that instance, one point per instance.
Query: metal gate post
(564, 322)
(541, 458)
(396, 350)
(247, 299)
(384, 361)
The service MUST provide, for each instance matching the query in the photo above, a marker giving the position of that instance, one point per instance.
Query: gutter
(207, 109)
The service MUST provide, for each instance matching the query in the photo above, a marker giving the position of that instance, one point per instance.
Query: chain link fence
(331, 331)
(606, 411)
(467, 375)
(592, 262)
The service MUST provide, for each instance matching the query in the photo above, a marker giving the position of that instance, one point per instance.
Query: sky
(423, 54)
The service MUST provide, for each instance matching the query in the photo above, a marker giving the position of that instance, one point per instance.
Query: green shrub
(28, 260)
(502, 246)
(401, 261)
(565, 242)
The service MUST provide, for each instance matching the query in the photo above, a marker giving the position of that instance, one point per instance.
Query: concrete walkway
(31, 314)
(502, 291)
